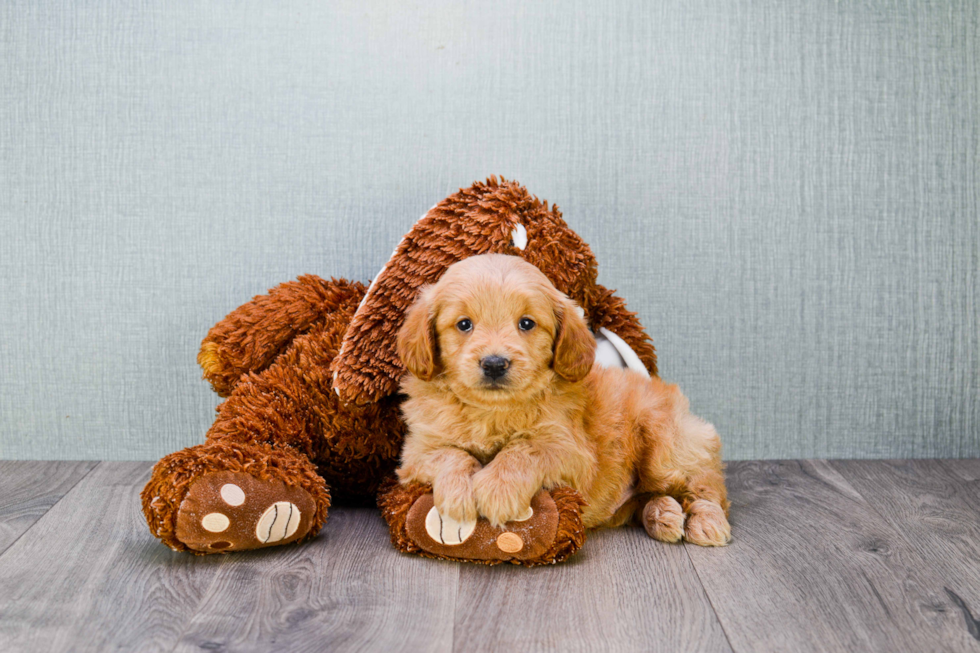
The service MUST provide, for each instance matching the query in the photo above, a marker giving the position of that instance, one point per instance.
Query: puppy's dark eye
(465, 325)
(525, 324)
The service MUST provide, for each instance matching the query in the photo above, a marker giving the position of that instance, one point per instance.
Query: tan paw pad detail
(232, 494)
(215, 522)
(446, 530)
(510, 542)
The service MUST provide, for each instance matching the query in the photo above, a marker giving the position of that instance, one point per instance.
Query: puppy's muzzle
(494, 367)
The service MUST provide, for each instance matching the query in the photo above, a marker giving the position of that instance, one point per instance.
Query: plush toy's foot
(550, 532)
(221, 496)
(232, 511)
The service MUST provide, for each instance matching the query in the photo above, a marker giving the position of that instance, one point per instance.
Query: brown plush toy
(311, 377)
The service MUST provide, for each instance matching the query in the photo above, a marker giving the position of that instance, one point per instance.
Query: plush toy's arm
(609, 311)
(251, 337)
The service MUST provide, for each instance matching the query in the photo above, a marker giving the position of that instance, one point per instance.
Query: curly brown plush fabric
(310, 372)
(396, 502)
(282, 419)
(480, 219)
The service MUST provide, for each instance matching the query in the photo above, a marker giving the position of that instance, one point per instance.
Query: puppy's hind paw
(707, 524)
(663, 519)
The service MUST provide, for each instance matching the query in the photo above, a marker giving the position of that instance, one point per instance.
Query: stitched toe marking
(445, 530)
(279, 521)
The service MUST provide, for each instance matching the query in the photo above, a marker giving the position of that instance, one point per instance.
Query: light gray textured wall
(786, 191)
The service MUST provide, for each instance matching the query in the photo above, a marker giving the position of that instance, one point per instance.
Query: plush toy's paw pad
(707, 524)
(546, 532)
(233, 511)
(663, 519)
(521, 539)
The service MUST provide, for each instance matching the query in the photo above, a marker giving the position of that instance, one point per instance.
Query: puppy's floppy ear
(418, 345)
(574, 350)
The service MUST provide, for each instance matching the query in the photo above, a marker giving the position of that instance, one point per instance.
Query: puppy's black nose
(494, 366)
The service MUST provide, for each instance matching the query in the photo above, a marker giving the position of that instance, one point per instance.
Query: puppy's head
(495, 330)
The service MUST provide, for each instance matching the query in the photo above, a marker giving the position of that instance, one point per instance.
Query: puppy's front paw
(707, 524)
(454, 498)
(498, 501)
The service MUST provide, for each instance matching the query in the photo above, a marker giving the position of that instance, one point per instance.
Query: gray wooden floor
(827, 556)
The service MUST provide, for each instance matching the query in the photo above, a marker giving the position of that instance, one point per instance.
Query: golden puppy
(503, 399)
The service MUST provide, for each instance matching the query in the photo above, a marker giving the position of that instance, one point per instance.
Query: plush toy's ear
(497, 216)
(418, 345)
(477, 220)
(574, 349)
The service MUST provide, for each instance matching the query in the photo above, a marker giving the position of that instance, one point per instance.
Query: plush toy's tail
(552, 533)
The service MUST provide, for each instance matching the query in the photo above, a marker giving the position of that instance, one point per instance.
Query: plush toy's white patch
(445, 530)
(519, 236)
(232, 494)
(612, 351)
(606, 354)
(279, 521)
(215, 522)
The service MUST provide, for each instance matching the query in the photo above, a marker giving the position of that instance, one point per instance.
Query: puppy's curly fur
(504, 399)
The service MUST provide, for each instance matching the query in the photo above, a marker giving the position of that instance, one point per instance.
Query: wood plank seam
(707, 596)
(97, 464)
(817, 567)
